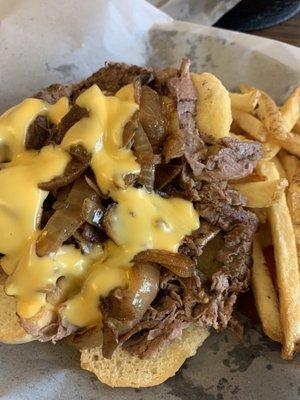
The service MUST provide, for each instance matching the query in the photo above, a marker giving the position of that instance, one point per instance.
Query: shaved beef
(190, 165)
(78, 164)
(112, 77)
(193, 244)
(151, 117)
(39, 133)
(53, 93)
(74, 115)
(230, 159)
(182, 89)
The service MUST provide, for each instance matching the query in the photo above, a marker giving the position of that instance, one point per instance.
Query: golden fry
(287, 273)
(291, 143)
(289, 163)
(245, 101)
(293, 196)
(291, 109)
(270, 150)
(269, 114)
(261, 194)
(265, 193)
(296, 128)
(265, 296)
(251, 125)
(213, 105)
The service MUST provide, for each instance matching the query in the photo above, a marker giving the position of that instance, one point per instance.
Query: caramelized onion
(151, 117)
(129, 130)
(123, 308)
(178, 263)
(165, 173)
(145, 156)
(174, 145)
(147, 175)
(92, 212)
(66, 220)
(142, 147)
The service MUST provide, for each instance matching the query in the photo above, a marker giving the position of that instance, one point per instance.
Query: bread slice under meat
(11, 331)
(125, 370)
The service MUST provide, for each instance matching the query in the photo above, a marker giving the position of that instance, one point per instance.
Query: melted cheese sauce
(101, 133)
(139, 220)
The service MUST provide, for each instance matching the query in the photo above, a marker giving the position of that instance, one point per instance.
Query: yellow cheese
(35, 276)
(20, 198)
(138, 221)
(101, 133)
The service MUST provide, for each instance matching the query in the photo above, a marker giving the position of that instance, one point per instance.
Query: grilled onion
(66, 220)
(179, 264)
(123, 308)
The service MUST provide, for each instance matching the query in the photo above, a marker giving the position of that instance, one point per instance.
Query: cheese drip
(20, 198)
(139, 220)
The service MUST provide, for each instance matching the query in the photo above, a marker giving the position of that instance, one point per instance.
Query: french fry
(263, 194)
(254, 177)
(270, 150)
(291, 143)
(293, 196)
(251, 125)
(265, 296)
(213, 105)
(245, 101)
(296, 128)
(280, 168)
(269, 114)
(291, 109)
(292, 168)
(287, 273)
(261, 214)
(289, 163)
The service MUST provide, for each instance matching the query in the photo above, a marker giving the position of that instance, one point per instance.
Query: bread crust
(11, 331)
(125, 370)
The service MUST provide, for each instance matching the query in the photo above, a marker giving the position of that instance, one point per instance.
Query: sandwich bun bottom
(126, 370)
(11, 332)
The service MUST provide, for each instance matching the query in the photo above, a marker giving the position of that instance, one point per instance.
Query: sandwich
(124, 229)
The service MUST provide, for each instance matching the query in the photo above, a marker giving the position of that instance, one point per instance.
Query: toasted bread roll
(125, 370)
(11, 331)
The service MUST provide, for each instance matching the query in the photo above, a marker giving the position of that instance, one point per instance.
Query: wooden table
(288, 31)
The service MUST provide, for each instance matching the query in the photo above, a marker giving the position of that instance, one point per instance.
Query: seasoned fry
(254, 177)
(213, 106)
(296, 128)
(280, 169)
(270, 149)
(261, 214)
(251, 125)
(291, 109)
(265, 294)
(287, 273)
(291, 143)
(269, 114)
(293, 196)
(246, 101)
(289, 163)
(292, 169)
(263, 194)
